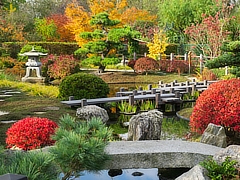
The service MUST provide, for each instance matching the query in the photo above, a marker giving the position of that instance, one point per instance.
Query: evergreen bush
(80, 146)
(83, 85)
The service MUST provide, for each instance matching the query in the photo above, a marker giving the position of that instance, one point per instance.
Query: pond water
(134, 174)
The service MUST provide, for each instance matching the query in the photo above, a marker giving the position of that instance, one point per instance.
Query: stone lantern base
(34, 79)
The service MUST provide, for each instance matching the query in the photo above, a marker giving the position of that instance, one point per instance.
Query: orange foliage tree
(80, 18)
(60, 21)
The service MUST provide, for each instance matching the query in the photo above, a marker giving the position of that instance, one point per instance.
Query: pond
(134, 174)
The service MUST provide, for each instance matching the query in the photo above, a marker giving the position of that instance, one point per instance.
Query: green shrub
(80, 145)
(225, 170)
(83, 85)
(35, 165)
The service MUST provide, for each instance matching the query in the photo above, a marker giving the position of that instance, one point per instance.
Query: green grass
(186, 112)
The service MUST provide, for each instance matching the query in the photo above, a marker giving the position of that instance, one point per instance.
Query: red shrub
(131, 64)
(220, 105)
(31, 133)
(176, 66)
(145, 64)
(59, 67)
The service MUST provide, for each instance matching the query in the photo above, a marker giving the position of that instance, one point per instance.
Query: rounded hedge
(146, 64)
(83, 86)
(31, 133)
(220, 105)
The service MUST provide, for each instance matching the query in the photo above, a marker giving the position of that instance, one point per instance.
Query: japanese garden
(119, 89)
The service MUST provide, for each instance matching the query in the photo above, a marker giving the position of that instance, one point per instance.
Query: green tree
(80, 146)
(230, 58)
(104, 41)
(184, 12)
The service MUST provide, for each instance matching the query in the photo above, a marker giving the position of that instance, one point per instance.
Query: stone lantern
(33, 64)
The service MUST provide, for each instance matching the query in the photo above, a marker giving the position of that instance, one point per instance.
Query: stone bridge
(158, 154)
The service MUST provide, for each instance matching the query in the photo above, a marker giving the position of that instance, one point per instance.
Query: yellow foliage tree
(158, 46)
(80, 18)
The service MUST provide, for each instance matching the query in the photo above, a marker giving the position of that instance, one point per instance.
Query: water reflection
(134, 174)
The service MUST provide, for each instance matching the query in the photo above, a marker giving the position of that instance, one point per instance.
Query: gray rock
(145, 126)
(87, 112)
(214, 135)
(233, 151)
(197, 172)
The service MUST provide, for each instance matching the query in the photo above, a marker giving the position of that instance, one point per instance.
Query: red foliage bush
(59, 67)
(131, 64)
(220, 105)
(176, 66)
(145, 64)
(31, 133)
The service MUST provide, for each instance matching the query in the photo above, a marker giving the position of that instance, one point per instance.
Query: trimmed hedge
(57, 48)
(83, 85)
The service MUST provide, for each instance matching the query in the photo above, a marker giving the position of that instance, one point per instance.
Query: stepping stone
(14, 92)
(6, 90)
(6, 95)
(1, 100)
(6, 122)
(3, 113)
(51, 108)
(39, 112)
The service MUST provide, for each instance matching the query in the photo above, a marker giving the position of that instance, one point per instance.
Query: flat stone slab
(3, 113)
(6, 95)
(2, 100)
(39, 112)
(13, 92)
(158, 154)
(51, 108)
(6, 122)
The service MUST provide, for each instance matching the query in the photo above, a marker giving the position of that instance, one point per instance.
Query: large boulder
(233, 151)
(197, 172)
(88, 112)
(214, 135)
(145, 126)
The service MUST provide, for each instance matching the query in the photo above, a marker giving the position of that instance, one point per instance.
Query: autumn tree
(158, 46)
(104, 40)
(53, 28)
(80, 17)
(212, 31)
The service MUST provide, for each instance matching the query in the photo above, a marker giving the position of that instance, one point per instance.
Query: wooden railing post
(134, 56)
(158, 100)
(131, 100)
(83, 102)
(71, 98)
(201, 63)
(172, 56)
(149, 87)
(160, 56)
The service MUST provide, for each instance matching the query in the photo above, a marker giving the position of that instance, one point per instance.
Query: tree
(158, 46)
(183, 13)
(104, 40)
(80, 17)
(53, 28)
(211, 32)
(230, 58)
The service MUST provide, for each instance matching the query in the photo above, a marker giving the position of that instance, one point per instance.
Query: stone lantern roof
(32, 53)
